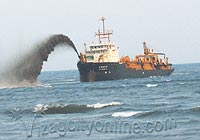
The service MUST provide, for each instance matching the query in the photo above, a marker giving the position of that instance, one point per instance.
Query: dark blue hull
(114, 71)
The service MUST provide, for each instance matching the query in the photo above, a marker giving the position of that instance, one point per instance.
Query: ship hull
(114, 71)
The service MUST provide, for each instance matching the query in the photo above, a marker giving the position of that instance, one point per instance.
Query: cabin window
(90, 57)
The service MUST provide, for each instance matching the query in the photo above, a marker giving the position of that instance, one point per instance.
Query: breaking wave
(197, 108)
(168, 80)
(98, 105)
(126, 114)
(28, 68)
(151, 85)
(69, 108)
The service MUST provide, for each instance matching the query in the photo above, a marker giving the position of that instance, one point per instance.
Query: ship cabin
(102, 51)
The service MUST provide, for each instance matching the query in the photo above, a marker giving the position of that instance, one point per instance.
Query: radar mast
(105, 34)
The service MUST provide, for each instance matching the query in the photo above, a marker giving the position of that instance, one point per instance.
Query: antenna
(146, 49)
(103, 19)
(85, 47)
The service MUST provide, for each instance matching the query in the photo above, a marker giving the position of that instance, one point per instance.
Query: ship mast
(146, 49)
(104, 34)
(103, 21)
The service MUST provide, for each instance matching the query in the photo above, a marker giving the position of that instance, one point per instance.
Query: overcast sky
(170, 26)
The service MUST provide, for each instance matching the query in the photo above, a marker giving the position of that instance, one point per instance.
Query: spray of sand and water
(25, 70)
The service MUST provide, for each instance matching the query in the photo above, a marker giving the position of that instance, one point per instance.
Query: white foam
(181, 83)
(167, 80)
(99, 105)
(40, 108)
(24, 84)
(126, 114)
(5, 87)
(46, 85)
(19, 85)
(151, 85)
(123, 85)
(154, 76)
(181, 73)
(69, 80)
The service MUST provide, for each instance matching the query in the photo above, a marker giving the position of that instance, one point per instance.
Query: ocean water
(63, 108)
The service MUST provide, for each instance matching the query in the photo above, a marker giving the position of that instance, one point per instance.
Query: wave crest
(126, 114)
(69, 108)
(151, 85)
(98, 105)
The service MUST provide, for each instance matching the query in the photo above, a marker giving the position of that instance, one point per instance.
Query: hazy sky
(171, 26)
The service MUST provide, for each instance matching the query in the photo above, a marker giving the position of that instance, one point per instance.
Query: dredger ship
(101, 61)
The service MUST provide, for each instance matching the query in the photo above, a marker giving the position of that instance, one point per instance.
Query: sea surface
(64, 108)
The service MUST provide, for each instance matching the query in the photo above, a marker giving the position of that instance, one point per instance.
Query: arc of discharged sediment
(30, 67)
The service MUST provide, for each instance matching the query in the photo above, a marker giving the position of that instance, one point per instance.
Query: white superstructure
(102, 51)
